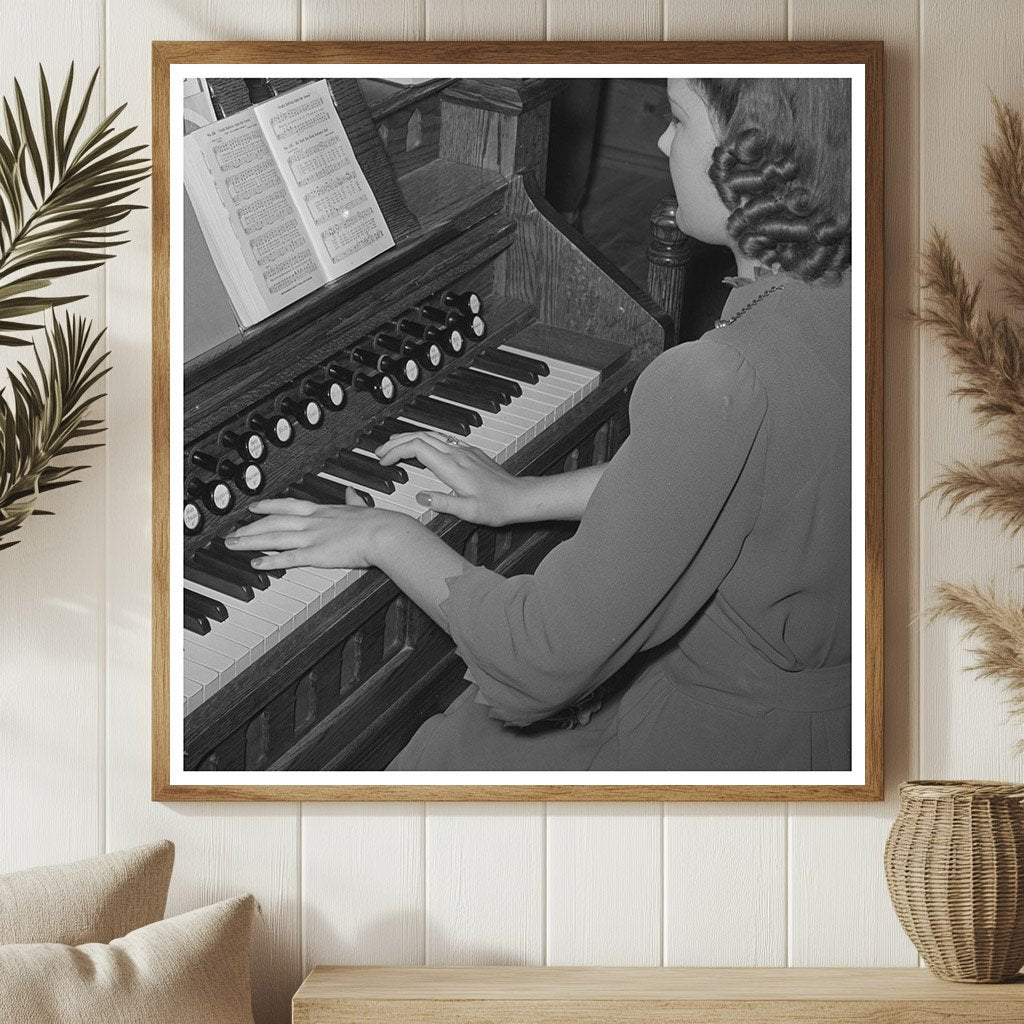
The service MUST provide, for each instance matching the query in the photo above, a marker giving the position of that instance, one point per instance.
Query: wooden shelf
(637, 995)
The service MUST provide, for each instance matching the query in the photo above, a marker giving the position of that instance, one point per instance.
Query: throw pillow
(190, 969)
(92, 900)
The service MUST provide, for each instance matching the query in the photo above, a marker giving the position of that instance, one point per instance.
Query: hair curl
(782, 167)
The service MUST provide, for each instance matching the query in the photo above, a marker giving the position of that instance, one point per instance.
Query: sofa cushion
(190, 969)
(92, 900)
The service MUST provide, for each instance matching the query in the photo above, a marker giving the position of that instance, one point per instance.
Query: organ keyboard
(489, 321)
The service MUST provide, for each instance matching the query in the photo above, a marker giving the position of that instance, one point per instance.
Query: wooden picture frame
(507, 111)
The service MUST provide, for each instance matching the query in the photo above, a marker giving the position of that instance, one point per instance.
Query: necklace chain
(753, 302)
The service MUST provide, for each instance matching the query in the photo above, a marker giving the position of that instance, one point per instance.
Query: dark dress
(711, 571)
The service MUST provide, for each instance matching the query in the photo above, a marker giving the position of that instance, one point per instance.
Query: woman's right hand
(482, 492)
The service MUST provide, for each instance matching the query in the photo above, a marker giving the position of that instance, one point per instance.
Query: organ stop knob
(467, 303)
(308, 411)
(248, 443)
(427, 353)
(382, 386)
(449, 338)
(277, 428)
(214, 494)
(405, 368)
(328, 392)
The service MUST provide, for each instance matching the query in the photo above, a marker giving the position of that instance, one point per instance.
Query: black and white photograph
(523, 430)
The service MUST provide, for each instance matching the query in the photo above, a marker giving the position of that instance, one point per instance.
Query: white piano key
(507, 419)
(393, 502)
(219, 643)
(285, 588)
(420, 480)
(201, 654)
(252, 641)
(238, 613)
(284, 599)
(495, 441)
(281, 619)
(493, 446)
(193, 694)
(530, 391)
(338, 579)
(543, 411)
(304, 578)
(208, 678)
(584, 373)
(547, 386)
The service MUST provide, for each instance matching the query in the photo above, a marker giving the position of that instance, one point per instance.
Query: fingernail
(423, 498)
(230, 540)
(258, 563)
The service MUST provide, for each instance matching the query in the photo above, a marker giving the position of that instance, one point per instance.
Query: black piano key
(427, 420)
(399, 426)
(371, 442)
(366, 497)
(303, 494)
(331, 492)
(504, 385)
(242, 557)
(374, 481)
(209, 560)
(215, 581)
(463, 394)
(468, 416)
(205, 606)
(538, 366)
(371, 465)
(315, 488)
(377, 435)
(195, 623)
(448, 417)
(485, 361)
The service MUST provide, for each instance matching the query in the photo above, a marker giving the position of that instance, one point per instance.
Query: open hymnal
(281, 199)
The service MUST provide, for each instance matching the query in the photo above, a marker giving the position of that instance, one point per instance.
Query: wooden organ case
(457, 167)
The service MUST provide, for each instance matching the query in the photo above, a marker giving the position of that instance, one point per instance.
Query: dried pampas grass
(987, 353)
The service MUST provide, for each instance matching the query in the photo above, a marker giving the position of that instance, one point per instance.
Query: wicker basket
(954, 861)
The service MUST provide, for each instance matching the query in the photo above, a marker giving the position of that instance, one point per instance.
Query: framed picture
(517, 421)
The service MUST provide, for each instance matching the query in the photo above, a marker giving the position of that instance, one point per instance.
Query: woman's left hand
(305, 533)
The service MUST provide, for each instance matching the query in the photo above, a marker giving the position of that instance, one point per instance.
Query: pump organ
(490, 319)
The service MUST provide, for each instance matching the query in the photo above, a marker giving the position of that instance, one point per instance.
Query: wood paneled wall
(735, 884)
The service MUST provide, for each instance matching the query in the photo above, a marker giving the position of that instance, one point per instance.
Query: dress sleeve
(534, 643)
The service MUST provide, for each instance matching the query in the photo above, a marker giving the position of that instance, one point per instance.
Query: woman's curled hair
(782, 167)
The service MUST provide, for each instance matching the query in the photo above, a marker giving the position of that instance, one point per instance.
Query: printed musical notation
(333, 197)
(356, 229)
(238, 150)
(300, 118)
(265, 210)
(253, 180)
(316, 161)
(282, 200)
(330, 200)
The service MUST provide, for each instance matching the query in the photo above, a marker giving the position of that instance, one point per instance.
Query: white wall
(732, 884)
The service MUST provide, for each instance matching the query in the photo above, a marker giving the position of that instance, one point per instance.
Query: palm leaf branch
(62, 190)
(46, 419)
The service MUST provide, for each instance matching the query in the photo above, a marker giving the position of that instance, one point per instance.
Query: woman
(699, 619)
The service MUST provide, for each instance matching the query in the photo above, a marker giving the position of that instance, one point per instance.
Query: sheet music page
(333, 197)
(251, 223)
